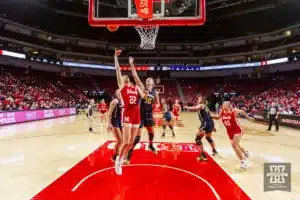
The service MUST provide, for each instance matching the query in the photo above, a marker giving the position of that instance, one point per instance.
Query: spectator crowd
(24, 92)
(287, 99)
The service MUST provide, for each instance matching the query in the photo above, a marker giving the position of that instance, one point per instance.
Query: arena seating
(161, 50)
(30, 89)
(170, 91)
(193, 87)
(23, 89)
(286, 94)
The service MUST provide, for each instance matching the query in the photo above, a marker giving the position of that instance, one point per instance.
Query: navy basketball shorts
(207, 127)
(116, 123)
(167, 117)
(147, 123)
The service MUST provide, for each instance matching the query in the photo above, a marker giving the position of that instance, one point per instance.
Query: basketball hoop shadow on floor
(174, 173)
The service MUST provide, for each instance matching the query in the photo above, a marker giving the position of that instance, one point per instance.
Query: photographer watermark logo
(277, 176)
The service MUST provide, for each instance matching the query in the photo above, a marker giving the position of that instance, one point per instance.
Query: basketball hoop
(148, 36)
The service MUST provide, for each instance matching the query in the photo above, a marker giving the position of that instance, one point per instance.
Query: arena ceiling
(226, 19)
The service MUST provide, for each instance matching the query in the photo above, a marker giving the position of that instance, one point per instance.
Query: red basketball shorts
(132, 116)
(232, 132)
(176, 114)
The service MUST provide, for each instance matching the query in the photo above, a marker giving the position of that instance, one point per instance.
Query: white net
(148, 36)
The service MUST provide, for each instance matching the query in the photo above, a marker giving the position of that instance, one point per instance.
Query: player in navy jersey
(167, 118)
(90, 109)
(146, 109)
(206, 127)
(114, 119)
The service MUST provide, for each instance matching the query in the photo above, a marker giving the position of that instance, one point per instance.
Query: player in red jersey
(228, 115)
(131, 119)
(103, 108)
(146, 108)
(176, 111)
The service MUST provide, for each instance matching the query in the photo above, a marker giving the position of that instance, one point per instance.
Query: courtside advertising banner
(285, 120)
(33, 115)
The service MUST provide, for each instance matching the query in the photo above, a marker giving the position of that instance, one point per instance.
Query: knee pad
(164, 126)
(198, 140)
(209, 140)
(136, 139)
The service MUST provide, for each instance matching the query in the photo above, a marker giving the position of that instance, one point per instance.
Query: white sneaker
(118, 166)
(243, 165)
(120, 170)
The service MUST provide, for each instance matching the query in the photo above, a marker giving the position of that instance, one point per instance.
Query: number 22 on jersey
(132, 100)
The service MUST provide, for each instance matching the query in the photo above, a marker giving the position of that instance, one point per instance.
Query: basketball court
(60, 159)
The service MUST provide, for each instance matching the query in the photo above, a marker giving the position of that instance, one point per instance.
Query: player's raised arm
(197, 107)
(135, 75)
(118, 70)
(157, 97)
(217, 116)
(142, 94)
(238, 111)
(111, 108)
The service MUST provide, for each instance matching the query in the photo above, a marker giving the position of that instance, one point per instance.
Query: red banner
(144, 8)
(137, 68)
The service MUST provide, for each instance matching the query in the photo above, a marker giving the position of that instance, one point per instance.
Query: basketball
(118, 52)
(112, 28)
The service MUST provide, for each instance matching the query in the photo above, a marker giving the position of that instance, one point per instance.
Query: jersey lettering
(227, 123)
(129, 91)
(130, 96)
(126, 119)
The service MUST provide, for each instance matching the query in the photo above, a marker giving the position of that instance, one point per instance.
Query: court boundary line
(151, 165)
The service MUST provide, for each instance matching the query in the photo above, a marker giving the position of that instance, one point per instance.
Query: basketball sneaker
(127, 162)
(152, 149)
(91, 129)
(118, 166)
(202, 157)
(243, 165)
(215, 153)
(163, 136)
(173, 135)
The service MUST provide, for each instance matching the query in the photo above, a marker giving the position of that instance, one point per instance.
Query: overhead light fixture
(288, 33)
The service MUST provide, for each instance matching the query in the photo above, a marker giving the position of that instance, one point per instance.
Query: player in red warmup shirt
(131, 119)
(103, 108)
(228, 116)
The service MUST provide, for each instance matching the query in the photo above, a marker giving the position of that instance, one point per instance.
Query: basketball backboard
(160, 12)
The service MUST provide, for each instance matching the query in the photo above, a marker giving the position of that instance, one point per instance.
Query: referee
(273, 116)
